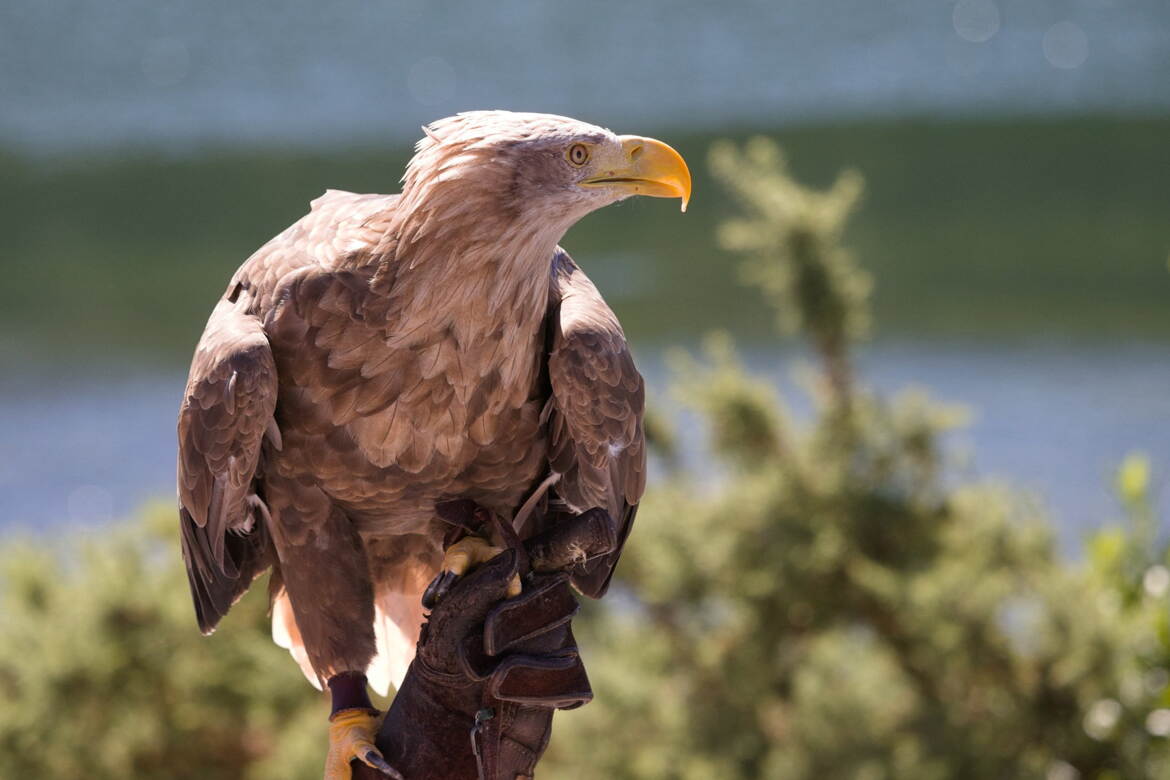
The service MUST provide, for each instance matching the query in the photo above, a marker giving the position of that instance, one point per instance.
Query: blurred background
(1015, 217)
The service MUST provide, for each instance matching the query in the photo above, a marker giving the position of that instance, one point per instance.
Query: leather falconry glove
(489, 671)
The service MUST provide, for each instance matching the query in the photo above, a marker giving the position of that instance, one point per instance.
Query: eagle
(386, 354)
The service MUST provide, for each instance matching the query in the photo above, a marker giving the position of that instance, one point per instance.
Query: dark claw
(374, 759)
(438, 588)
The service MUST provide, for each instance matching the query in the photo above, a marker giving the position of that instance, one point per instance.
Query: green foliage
(792, 235)
(840, 605)
(103, 673)
(837, 603)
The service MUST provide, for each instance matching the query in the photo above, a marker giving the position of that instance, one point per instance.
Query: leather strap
(543, 608)
(348, 692)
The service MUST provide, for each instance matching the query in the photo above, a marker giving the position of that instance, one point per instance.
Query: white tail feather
(397, 620)
(286, 634)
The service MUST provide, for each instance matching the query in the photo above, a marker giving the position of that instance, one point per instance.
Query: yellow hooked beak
(645, 167)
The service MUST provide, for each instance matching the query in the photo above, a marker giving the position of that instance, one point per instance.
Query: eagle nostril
(637, 150)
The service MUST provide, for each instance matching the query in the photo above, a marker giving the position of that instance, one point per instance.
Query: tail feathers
(286, 634)
(220, 568)
(398, 619)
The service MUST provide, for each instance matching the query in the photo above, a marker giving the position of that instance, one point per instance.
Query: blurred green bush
(829, 601)
(838, 604)
(103, 673)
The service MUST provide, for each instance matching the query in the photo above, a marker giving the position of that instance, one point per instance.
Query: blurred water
(86, 73)
(1054, 420)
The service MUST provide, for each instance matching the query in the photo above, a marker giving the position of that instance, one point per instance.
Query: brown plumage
(388, 352)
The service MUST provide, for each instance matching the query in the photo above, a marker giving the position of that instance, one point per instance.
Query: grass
(1000, 229)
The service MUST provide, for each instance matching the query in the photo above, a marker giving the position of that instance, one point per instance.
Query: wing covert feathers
(596, 440)
(226, 412)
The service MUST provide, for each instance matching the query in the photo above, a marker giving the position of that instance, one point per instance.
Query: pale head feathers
(485, 199)
(501, 167)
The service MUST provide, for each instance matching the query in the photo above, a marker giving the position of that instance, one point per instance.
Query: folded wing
(594, 414)
(226, 412)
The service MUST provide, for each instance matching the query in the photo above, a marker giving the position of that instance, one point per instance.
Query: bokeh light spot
(1102, 717)
(1066, 46)
(1157, 581)
(976, 20)
(1158, 723)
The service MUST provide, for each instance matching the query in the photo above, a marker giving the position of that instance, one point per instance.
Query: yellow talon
(351, 735)
(471, 551)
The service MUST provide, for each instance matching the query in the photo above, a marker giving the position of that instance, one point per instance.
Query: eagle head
(540, 165)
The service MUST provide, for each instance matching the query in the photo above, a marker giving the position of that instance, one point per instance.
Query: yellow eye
(578, 154)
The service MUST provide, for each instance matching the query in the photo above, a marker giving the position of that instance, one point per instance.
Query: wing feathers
(594, 414)
(225, 416)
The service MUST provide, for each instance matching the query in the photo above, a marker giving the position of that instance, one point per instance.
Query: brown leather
(545, 604)
(552, 681)
(478, 700)
(571, 541)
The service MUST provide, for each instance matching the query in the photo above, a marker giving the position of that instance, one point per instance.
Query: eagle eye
(578, 154)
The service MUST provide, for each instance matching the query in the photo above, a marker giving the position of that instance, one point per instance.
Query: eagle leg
(351, 738)
(325, 573)
(460, 558)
